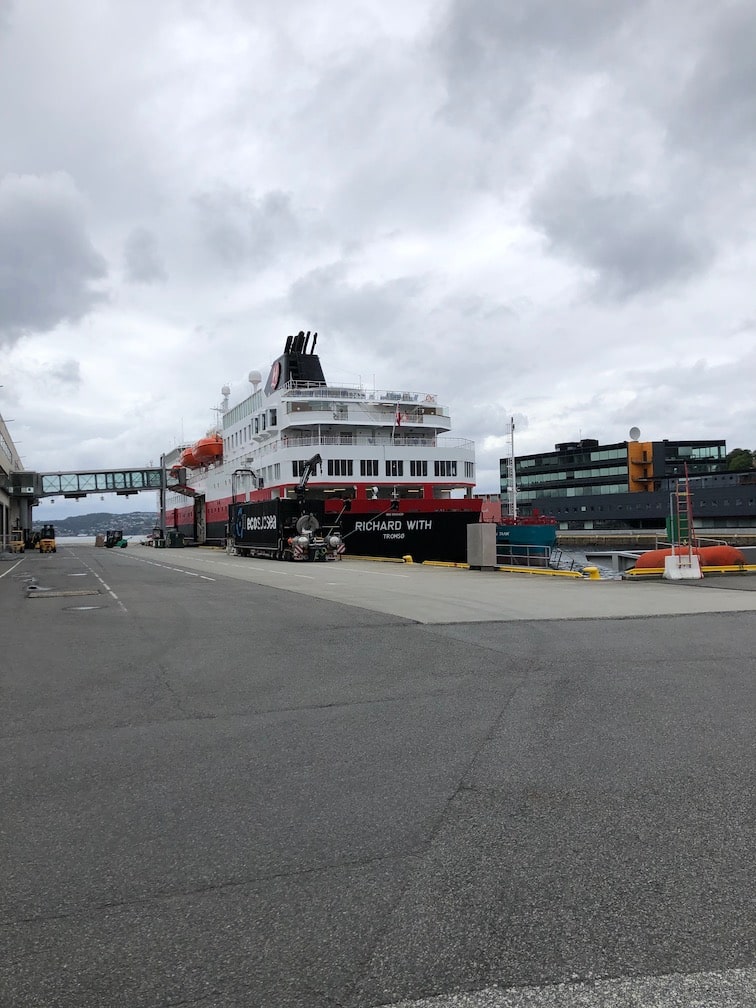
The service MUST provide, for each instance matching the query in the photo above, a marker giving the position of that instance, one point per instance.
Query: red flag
(398, 417)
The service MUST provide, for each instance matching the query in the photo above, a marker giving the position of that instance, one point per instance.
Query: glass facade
(586, 484)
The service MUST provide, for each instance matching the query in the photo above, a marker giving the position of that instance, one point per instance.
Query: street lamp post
(163, 483)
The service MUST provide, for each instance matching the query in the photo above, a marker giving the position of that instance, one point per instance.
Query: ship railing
(348, 441)
(308, 390)
(410, 415)
(360, 440)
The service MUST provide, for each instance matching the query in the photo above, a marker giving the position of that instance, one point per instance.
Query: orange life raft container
(208, 449)
(708, 556)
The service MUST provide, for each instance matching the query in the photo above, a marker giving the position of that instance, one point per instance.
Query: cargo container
(284, 530)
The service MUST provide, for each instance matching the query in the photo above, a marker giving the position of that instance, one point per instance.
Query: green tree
(739, 459)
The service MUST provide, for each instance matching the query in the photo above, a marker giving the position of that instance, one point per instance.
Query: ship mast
(511, 483)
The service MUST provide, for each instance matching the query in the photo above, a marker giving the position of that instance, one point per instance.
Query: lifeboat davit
(208, 449)
(188, 459)
(708, 556)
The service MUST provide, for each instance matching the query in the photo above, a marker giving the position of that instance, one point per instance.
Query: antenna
(634, 433)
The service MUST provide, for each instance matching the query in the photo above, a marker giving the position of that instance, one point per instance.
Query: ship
(386, 465)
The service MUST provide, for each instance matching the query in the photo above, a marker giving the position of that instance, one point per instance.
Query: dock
(233, 782)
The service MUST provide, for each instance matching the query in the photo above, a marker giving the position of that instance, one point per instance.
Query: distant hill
(133, 523)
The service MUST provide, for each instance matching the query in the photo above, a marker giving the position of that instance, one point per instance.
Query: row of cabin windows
(258, 424)
(393, 467)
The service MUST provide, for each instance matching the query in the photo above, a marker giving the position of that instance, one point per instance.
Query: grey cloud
(364, 312)
(68, 372)
(6, 12)
(492, 52)
(633, 242)
(142, 259)
(240, 229)
(707, 403)
(716, 109)
(48, 264)
(486, 26)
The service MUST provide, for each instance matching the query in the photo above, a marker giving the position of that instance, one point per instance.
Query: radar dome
(254, 377)
(225, 390)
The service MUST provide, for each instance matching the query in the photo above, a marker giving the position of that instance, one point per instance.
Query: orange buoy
(708, 556)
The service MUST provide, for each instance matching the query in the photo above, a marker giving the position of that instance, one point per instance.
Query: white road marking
(12, 568)
(178, 570)
(107, 587)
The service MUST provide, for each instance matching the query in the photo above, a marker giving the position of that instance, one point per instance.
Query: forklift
(17, 539)
(46, 542)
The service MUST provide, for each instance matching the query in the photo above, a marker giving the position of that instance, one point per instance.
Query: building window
(368, 467)
(339, 467)
(298, 467)
(469, 470)
(418, 468)
(394, 467)
(273, 417)
(445, 468)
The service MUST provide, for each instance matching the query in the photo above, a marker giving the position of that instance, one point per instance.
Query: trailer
(284, 529)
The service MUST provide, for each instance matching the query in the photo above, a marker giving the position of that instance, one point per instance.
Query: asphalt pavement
(233, 782)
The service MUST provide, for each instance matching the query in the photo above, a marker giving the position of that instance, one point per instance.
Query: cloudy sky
(544, 208)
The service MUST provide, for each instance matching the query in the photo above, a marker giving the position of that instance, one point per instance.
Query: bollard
(592, 573)
(408, 559)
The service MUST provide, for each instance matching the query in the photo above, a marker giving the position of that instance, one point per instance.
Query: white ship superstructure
(374, 444)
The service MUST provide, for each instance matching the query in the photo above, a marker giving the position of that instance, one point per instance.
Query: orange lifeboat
(208, 449)
(708, 556)
(188, 459)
